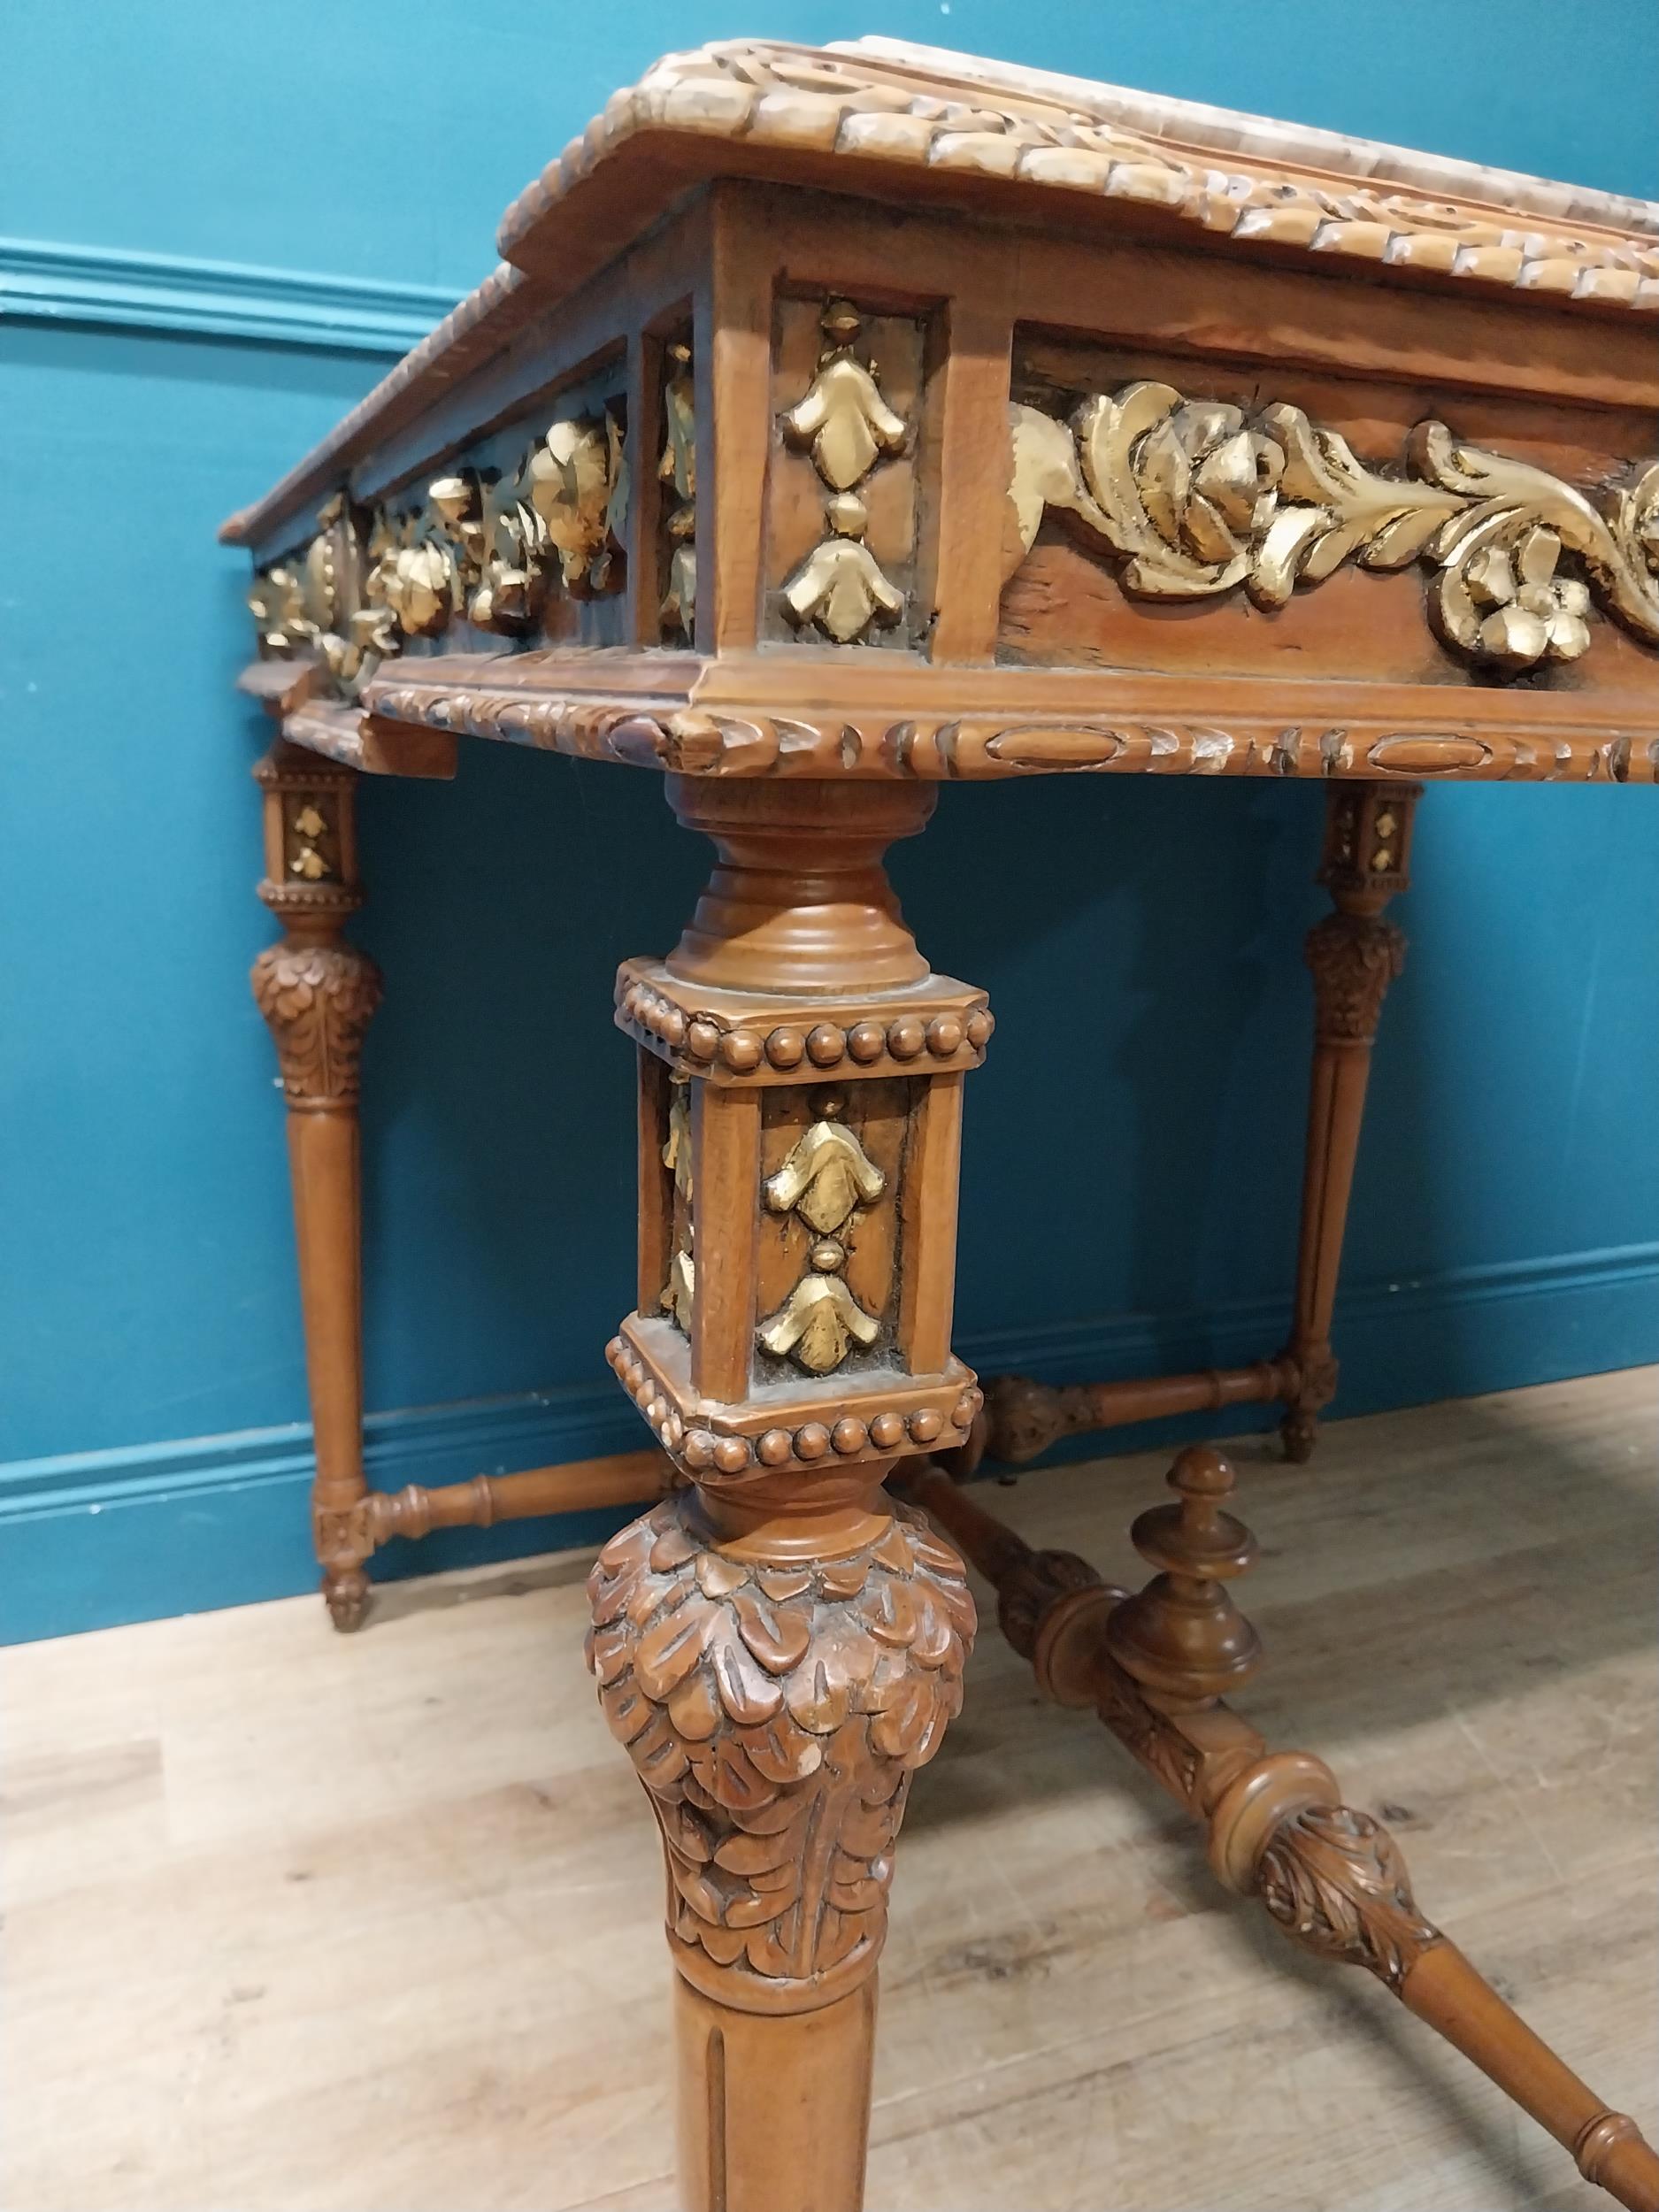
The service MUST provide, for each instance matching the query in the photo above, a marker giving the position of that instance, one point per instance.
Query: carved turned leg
(318, 992)
(1153, 1666)
(1353, 955)
(778, 1646)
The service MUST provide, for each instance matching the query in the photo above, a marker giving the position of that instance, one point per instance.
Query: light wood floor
(299, 1922)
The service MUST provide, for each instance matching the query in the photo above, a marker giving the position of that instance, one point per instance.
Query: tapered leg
(778, 1646)
(1353, 955)
(317, 993)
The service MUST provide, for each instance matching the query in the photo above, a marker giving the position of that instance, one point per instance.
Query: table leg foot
(1298, 1433)
(1353, 954)
(346, 1594)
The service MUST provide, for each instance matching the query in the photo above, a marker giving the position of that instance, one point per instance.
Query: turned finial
(1182, 1638)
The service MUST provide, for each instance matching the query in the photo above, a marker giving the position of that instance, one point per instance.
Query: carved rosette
(1195, 497)
(1335, 1879)
(318, 1000)
(1353, 959)
(775, 1712)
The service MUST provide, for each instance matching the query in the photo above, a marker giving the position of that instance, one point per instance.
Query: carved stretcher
(838, 423)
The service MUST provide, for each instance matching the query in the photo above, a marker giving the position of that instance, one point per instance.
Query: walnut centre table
(838, 423)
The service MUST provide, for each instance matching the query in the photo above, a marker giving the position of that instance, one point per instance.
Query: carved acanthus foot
(346, 1594)
(1299, 1433)
(775, 1709)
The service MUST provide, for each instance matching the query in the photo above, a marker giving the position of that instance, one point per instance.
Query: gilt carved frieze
(1195, 497)
(485, 546)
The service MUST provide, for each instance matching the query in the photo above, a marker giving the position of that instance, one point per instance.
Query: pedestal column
(779, 1646)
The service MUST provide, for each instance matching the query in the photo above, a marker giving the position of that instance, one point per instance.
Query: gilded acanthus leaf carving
(843, 421)
(678, 469)
(578, 488)
(1335, 1879)
(484, 543)
(820, 1320)
(679, 1295)
(840, 585)
(1196, 498)
(775, 1714)
(847, 427)
(827, 1175)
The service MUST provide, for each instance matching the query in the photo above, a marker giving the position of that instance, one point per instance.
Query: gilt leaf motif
(1195, 498)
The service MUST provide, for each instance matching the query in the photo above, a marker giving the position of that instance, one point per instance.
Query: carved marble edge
(871, 103)
(866, 1414)
(1242, 177)
(738, 740)
(938, 1028)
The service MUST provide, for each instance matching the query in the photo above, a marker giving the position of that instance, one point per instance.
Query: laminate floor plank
(318, 1924)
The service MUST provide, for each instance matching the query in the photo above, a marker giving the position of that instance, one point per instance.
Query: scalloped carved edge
(708, 741)
(850, 104)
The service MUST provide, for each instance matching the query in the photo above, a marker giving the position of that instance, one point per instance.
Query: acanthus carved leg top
(775, 1709)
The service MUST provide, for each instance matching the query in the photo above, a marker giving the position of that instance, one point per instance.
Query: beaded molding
(704, 1451)
(872, 1046)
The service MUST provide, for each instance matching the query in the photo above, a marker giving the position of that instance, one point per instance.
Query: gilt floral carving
(775, 1713)
(1196, 498)
(484, 545)
(678, 470)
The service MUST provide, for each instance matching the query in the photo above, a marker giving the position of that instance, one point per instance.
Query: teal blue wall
(215, 251)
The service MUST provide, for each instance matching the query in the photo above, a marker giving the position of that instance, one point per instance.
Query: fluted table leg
(1353, 955)
(777, 1645)
(318, 992)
